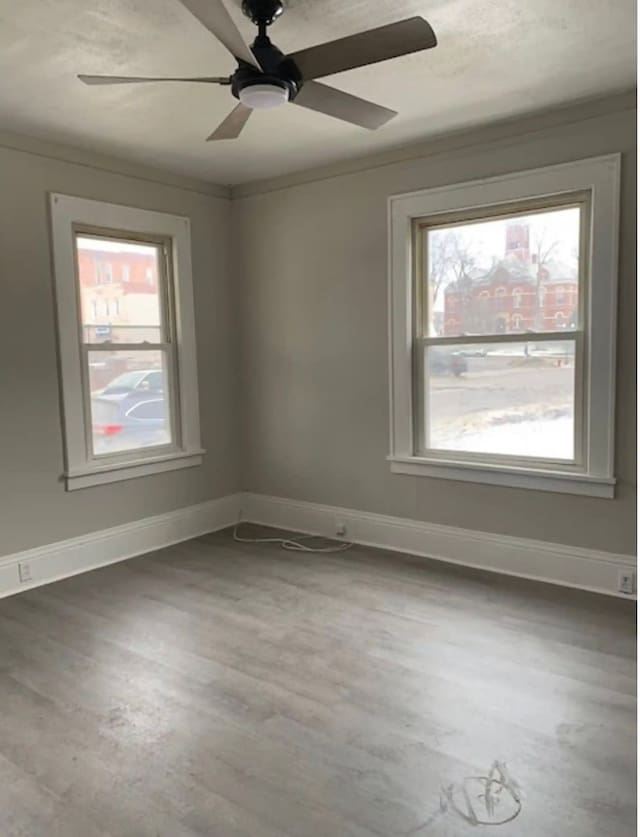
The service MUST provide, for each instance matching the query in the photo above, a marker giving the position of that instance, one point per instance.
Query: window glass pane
(514, 399)
(504, 275)
(120, 291)
(129, 400)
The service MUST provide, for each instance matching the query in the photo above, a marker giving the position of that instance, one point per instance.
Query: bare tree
(452, 257)
(464, 254)
(439, 263)
(543, 248)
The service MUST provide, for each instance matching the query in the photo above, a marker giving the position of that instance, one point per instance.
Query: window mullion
(463, 340)
(126, 347)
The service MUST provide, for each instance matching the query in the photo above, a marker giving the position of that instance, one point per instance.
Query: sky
(111, 245)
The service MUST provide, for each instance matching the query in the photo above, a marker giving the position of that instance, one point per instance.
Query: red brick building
(119, 290)
(515, 294)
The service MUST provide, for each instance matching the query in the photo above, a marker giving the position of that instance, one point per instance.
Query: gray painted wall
(312, 268)
(295, 342)
(34, 507)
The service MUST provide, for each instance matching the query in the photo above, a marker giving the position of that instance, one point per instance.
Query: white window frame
(600, 178)
(82, 468)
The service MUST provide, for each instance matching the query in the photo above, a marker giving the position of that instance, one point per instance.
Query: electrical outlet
(625, 582)
(24, 571)
(341, 528)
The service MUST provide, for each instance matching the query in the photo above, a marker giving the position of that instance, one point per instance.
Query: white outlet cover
(24, 571)
(626, 582)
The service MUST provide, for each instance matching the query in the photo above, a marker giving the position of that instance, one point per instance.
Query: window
(110, 370)
(125, 273)
(480, 400)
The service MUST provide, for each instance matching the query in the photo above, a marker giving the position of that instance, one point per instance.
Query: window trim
(69, 215)
(600, 177)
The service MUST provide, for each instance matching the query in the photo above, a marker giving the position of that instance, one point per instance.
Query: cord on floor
(294, 544)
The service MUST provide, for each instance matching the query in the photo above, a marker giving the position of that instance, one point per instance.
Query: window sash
(167, 329)
(171, 367)
(421, 411)
(534, 206)
(166, 289)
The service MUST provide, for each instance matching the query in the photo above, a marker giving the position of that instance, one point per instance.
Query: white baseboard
(107, 546)
(539, 560)
(570, 566)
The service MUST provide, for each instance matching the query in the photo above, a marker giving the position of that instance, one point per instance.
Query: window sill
(513, 477)
(101, 475)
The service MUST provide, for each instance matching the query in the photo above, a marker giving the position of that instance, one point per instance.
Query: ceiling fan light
(263, 96)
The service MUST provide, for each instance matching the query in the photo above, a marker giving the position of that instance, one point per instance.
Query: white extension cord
(293, 544)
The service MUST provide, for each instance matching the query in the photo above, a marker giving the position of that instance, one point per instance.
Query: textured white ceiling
(495, 59)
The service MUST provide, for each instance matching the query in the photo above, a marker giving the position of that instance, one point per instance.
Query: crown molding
(506, 130)
(102, 162)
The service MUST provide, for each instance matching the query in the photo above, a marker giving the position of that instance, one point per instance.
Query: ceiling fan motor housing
(277, 70)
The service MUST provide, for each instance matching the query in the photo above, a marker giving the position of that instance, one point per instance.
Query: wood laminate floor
(231, 690)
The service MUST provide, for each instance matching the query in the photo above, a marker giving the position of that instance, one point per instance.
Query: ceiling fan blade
(231, 127)
(143, 79)
(214, 16)
(325, 99)
(401, 38)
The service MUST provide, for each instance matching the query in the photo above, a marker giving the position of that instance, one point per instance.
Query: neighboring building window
(108, 273)
(149, 274)
(113, 368)
(125, 273)
(532, 412)
(94, 309)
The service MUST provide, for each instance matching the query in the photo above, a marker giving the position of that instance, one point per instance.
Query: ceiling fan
(267, 78)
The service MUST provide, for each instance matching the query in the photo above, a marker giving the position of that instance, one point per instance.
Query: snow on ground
(549, 438)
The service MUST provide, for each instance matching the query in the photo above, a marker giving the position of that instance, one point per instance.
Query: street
(520, 406)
